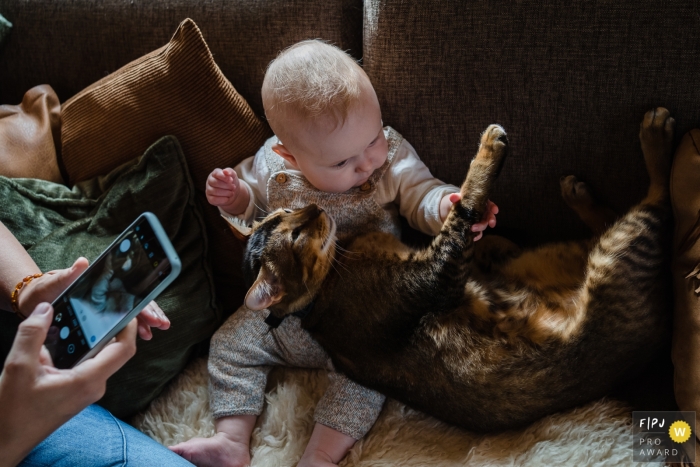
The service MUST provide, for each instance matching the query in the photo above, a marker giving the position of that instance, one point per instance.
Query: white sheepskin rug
(597, 434)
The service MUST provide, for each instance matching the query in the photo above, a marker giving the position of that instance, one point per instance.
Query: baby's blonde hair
(308, 80)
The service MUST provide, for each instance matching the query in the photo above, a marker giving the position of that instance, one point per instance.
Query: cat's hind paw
(656, 136)
(576, 194)
(656, 129)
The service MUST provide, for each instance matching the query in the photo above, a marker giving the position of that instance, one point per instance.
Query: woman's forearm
(15, 264)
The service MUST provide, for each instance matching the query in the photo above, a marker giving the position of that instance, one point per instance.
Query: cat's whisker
(346, 268)
(259, 208)
(307, 287)
(347, 252)
(349, 255)
(332, 261)
(333, 265)
(344, 256)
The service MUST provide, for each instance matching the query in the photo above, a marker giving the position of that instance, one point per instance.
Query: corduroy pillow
(175, 90)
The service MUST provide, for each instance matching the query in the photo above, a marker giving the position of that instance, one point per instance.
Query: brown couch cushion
(5, 27)
(569, 81)
(685, 196)
(176, 90)
(27, 148)
(77, 43)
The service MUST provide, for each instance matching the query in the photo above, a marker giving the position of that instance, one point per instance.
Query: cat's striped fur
(481, 334)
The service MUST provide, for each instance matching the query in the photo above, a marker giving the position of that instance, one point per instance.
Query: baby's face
(345, 157)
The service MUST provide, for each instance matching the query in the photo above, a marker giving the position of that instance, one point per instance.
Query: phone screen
(105, 293)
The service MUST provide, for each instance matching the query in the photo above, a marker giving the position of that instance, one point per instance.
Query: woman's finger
(112, 357)
(30, 337)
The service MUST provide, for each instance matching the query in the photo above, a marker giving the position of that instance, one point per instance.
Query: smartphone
(131, 272)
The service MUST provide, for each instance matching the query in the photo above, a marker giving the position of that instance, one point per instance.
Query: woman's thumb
(51, 284)
(65, 277)
(72, 273)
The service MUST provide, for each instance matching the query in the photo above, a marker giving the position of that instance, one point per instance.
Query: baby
(329, 148)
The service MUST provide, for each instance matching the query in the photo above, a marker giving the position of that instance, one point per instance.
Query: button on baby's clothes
(281, 178)
(365, 186)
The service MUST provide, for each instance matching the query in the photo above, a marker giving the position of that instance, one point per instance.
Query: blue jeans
(95, 438)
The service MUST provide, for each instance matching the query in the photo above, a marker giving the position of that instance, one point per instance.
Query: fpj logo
(663, 436)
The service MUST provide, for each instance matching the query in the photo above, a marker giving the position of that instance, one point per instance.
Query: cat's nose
(312, 211)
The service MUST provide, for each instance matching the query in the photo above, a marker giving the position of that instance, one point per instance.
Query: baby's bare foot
(218, 451)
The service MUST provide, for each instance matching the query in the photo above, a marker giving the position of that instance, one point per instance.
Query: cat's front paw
(493, 147)
(494, 137)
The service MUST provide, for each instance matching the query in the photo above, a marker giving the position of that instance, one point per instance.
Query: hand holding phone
(131, 272)
(35, 398)
(53, 283)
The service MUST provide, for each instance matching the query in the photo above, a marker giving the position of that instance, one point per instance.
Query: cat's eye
(287, 211)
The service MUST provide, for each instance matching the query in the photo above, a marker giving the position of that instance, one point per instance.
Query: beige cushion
(175, 90)
(685, 196)
(27, 148)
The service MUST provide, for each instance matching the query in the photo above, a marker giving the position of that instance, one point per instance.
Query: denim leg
(95, 438)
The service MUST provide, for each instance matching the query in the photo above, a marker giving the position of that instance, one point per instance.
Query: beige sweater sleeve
(409, 184)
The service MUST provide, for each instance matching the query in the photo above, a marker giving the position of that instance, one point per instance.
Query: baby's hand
(223, 190)
(489, 219)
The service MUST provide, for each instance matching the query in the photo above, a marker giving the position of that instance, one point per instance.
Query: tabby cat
(481, 335)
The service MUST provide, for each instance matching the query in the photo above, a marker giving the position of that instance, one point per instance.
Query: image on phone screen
(111, 287)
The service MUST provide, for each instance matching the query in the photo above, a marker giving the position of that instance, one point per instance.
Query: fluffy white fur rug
(593, 435)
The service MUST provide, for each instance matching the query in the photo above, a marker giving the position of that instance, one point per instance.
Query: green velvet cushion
(56, 225)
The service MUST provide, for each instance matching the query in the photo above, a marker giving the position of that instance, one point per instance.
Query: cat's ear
(265, 292)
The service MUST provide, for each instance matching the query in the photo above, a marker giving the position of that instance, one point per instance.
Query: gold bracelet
(15, 293)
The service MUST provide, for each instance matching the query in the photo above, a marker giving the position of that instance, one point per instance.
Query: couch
(569, 81)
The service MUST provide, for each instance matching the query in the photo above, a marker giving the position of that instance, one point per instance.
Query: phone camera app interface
(106, 293)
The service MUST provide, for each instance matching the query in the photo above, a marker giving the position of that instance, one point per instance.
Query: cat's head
(288, 255)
